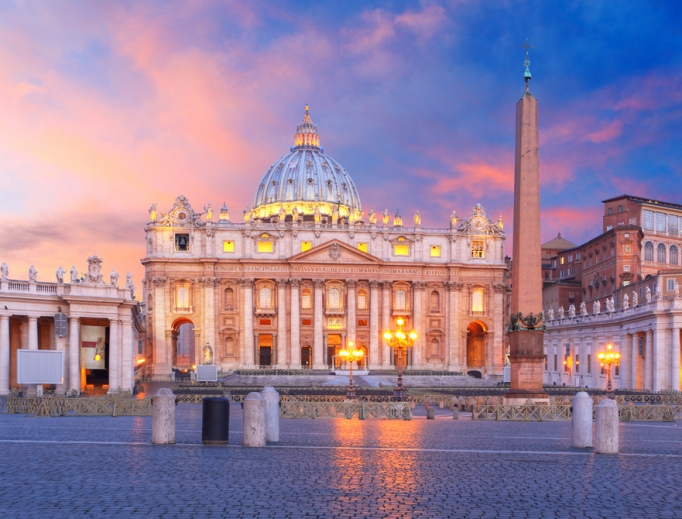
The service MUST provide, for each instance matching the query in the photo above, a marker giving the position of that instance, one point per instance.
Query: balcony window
(265, 298)
(362, 300)
(401, 249)
(477, 301)
(400, 300)
(182, 299)
(334, 299)
(265, 247)
(477, 249)
(306, 299)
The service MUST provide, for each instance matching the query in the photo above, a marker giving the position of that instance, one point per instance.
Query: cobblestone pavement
(106, 467)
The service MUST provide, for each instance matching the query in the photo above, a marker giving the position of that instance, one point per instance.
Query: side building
(306, 272)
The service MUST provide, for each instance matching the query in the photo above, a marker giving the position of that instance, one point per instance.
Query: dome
(306, 179)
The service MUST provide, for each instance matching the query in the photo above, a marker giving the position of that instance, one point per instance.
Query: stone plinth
(526, 356)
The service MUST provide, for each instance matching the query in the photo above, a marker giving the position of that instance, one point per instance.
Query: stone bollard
(582, 420)
(441, 405)
(254, 421)
(606, 437)
(412, 405)
(163, 417)
(430, 413)
(271, 397)
(455, 413)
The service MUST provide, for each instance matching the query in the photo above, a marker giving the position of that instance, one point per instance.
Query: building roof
(644, 201)
(558, 243)
(308, 179)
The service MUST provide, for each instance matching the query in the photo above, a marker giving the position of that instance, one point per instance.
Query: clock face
(478, 223)
(182, 216)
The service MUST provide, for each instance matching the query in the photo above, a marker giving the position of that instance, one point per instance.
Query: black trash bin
(215, 420)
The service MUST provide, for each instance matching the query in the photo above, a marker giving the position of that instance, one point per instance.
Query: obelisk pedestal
(526, 329)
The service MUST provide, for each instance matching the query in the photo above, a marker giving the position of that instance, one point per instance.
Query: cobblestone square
(107, 467)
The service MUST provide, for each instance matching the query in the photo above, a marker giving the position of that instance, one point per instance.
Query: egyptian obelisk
(526, 330)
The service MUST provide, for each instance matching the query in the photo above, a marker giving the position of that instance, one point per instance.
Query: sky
(108, 107)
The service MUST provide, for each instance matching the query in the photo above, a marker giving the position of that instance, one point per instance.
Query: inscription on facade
(334, 322)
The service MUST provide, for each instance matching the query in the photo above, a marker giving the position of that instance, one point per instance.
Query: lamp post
(607, 359)
(352, 355)
(400, 341)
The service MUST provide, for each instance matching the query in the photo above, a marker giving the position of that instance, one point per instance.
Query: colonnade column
(649, 360)
(635, 362)
(385, 321)
(626, 355)
(318, 354)
(249, 360)
(74, 357)
(659, 360)
(418, 290)
(209, 315)
(127, 356)
(4, 355)
(32, 333)
(295, 324)
(114, 356)
(281, 323)
(374, 362)
(352, 322)
(675, 360)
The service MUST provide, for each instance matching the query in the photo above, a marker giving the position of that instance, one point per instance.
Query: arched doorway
(183, 344)
(476, 345)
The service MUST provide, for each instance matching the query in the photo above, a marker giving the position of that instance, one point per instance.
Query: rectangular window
(562, 261)
(626, 268)
(577, 256)
(609, 227)
(570, 272)
(620, 208)
(610, 211)
(556, 360)
(589, 364)
(477, 249)
(264, 246)
(648, 220)
(182, 243)
(139, 347)
(561, 274)
(401, 250)
(671, 284)
(363, 247)
(577, 363)
(435, 251)
(228, 246)
(554, 264)
(362, 300)
(571, 295)
(570, 258)
(306, 300)
(306, 245)
(660, 222)
(672, 224)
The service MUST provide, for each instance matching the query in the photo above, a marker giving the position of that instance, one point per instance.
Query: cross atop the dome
(306, 132)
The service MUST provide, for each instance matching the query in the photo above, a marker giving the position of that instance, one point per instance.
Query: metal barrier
(542, 412)
(363, 410)
(62, 406)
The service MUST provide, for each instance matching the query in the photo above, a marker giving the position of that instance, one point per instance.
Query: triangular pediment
(334, 251)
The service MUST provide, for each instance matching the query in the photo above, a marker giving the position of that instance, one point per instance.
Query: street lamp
(400, 341)
(352, 355)
(607, 359)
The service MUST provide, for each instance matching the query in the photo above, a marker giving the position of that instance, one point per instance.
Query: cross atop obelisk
(526, 330)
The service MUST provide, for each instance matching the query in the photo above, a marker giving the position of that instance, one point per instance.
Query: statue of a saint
(207, 352)
(571, 310)
(282, 213)
(294, 213)
(317, 214)
(247, 215)
(209, 212)
(4, 271)
(73, 274)
(583, 309)
(626, 302)
(635, 299)
(113, 276)
(648, 295)
(560, 313)
(385, 217)
(32, 274)
(152, 213)
(506, 357)
(335, 215)
(351, 217)
(596, 307)
(60, 275)
(417, 219)
(129, 285)
(677, 289)
(372, 217)
(550, 314)
(453, 220)
(500, 224)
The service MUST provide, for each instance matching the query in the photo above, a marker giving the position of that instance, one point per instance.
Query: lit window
(362, 300)
(334, 300)
(182, 243)
(401, 250)
(265, 299)
(562, 261)
(435, 251)
(228, 246)
(476, 249)
(363, 247)
(477, 301)
(264, 246)
(400, 300)
(306, 299)
(306, 245)
(182, 300)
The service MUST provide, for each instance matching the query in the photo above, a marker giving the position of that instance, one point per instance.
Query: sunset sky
(108, 107)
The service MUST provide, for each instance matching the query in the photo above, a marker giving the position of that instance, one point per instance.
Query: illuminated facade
(306, 271)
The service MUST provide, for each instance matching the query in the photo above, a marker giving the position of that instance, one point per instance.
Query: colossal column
(4, 355)
(295, 324)
(318, 354)
(281, 323)
(374, 325)
(385, 321)
(248, 323)
(526, 337)
(209, 285)
(418, 291)
(453, 323)
(350, 286)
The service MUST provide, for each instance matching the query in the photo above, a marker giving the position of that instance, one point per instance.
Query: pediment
(334, 251)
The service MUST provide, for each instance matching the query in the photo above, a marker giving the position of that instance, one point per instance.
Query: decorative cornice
(351, 283)
(159, 281)
(295, 282)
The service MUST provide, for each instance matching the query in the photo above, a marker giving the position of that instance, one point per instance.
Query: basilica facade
(306, 272)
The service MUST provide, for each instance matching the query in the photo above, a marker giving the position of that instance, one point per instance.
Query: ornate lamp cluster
(400, 341)
(352, 355)
(607, 359)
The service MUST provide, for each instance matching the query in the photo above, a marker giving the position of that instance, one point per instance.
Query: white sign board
(208, 373)
(40, 367)
(506, 374)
